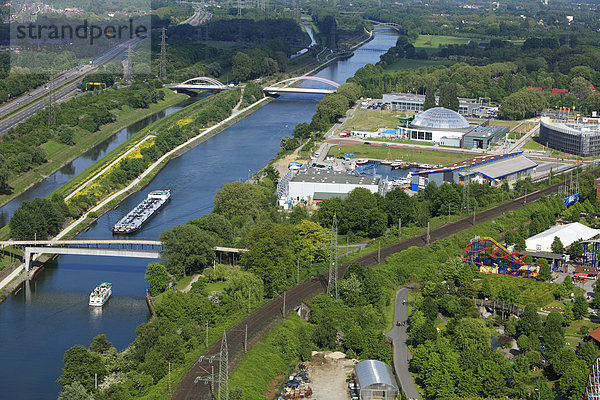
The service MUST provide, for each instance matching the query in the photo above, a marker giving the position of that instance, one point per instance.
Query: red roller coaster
(490, 256)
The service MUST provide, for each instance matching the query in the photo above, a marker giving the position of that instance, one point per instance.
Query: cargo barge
(134, 220)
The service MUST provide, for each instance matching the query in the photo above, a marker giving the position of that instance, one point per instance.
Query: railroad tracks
(262, 319)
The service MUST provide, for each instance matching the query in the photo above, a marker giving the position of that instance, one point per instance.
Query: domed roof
(440, 117)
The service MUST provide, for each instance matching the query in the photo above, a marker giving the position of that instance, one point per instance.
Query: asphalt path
(398, 336)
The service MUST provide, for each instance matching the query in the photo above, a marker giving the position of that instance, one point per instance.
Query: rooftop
(440, 117)
(471, 162)
(502, 167)
(313, 175)
(567, 234)
(374, 372)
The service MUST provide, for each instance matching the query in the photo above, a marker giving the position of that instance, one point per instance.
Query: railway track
(262, 319)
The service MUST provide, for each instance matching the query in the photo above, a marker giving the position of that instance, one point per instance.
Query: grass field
(435, 41)
(371, 119)
(410, 155)
(406, 63)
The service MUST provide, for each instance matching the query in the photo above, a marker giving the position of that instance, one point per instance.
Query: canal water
(41, 322)
(78, 165)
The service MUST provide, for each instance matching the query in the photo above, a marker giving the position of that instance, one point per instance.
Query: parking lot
(328, 377)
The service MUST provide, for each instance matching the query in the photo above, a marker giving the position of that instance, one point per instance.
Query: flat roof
(313, 175)
(504, 167)
(469, 163)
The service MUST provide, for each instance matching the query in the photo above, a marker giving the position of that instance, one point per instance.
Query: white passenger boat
(100, 294)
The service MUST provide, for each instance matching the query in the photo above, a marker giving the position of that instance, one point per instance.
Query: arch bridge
(200, 82)
(282, 86)
(107, 247)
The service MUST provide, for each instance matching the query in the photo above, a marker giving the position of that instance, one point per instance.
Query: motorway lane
(73, 77)
(399, 335)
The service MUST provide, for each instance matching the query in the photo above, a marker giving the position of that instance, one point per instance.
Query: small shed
(376, 380)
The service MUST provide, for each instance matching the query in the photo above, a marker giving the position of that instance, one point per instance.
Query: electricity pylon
(332, 284)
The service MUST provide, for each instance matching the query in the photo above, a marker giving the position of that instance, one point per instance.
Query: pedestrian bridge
(108, 247)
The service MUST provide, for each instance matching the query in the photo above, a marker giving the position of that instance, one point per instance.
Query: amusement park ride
(592, 391)
(490, 256)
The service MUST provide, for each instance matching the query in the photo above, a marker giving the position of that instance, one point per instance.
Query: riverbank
(68, 154)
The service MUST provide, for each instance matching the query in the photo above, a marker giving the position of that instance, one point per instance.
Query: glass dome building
(439, 118)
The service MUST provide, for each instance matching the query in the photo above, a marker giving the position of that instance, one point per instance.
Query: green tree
(448, 97)
(575, 250)
(325, 334)
(239, 201)
(588, 352)
(486, 289)
(187, 249)
(74, 391)
(557, 246)
(333, 106)
(218, 225)
(429, 98)
(545, 273)
(302, 131)
(580, 307)
(531, 322)
(522, 104)
(80, 366)
(572, 383)
(157, 277)
(100, 344)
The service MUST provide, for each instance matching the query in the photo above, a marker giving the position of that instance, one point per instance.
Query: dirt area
(328, 377)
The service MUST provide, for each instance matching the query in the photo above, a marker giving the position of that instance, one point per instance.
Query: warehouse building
(567, 234)
(314, 184)
(375, 380)
(491, 169)
(414, 103)
(579, 136)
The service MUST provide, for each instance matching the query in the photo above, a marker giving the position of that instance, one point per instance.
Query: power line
(127, 69)
(51, 100)
(332, 284)
(163, 55)
(222, 378)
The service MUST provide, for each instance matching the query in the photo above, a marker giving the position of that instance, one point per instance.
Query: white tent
(566, 233)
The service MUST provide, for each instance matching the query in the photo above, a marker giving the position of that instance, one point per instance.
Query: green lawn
(371, 119)
(218, 286)
(434, 41)
(573, 329)
(532, 145)
(406, 63)
(408, 154)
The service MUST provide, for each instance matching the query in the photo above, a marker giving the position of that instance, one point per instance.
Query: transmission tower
(332, 284)
(239, 8)
(224, 370)
(51, 100)
(127, 69)
(222, 378)
(163, 55)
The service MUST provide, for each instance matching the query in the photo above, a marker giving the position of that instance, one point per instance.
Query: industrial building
(315, 184)
(579, 136)
(375, 380)
(491, 169)
(567, 234)
(414, 102)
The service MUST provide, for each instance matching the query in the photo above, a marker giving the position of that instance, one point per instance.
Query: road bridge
(282, 86)
(100, 247)
(200, 83)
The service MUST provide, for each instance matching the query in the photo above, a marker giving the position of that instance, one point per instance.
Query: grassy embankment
(266, 366)
(59, 154)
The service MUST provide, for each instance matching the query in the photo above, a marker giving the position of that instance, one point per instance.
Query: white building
(315, 184)
(568, 234)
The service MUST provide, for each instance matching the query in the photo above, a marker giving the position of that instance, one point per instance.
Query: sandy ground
(328, 378)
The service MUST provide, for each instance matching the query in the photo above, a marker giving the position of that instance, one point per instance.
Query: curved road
(398, 335)
(262, 319)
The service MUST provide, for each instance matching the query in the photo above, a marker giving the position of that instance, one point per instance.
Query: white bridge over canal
(207, 83)
(115, 248)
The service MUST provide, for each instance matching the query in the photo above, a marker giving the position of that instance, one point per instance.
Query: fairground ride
(490, 256)
(592, 390)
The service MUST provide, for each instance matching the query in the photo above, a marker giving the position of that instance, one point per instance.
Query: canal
(43, 320)
(79, 164)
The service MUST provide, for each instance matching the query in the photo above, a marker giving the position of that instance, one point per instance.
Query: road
(399, 335)
(261, 320)
(39, 99)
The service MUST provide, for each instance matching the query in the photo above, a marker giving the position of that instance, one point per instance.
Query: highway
(37, 99)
